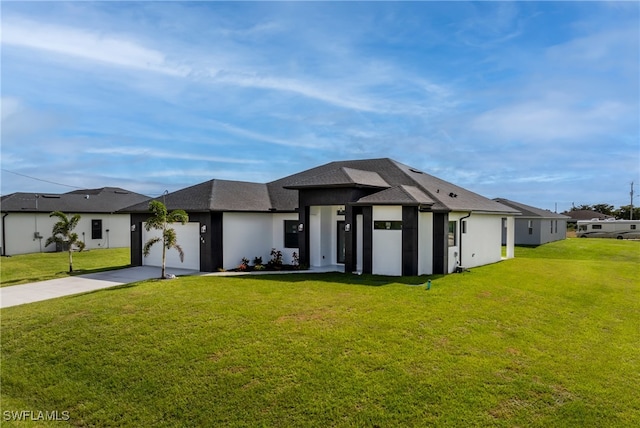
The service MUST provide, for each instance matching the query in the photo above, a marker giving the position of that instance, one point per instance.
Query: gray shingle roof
(103, 200)
(445, 196)
(529, 211)
(398, 184)
(341, 177)
(215, 195)
(399, 195)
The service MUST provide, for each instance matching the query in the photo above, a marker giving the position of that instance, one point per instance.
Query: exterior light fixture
(301, 227)
(133, 227)
(203, 228)
(347, 227)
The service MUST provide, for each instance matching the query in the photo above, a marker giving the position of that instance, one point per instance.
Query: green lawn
(550, 338)
(41, 266)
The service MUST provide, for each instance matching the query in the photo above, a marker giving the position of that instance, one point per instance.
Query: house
(26, 225)
(575, 215)
(536, 226)
(373, 216)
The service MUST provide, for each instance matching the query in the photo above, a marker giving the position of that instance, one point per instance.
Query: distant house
(575, 215)
(25, 223)
(536, 226)
(373, 216)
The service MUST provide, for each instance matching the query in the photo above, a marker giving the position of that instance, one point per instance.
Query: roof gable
(399, 195)
(341, 177)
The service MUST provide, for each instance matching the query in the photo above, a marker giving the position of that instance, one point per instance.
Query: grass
(42, 266)
(547, 339)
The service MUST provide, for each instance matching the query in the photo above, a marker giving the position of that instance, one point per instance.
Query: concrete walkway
(37, 291)
(34, 292)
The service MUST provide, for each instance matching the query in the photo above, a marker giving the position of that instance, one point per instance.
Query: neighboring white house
(536, 226)
(25, 223)
(373, 216)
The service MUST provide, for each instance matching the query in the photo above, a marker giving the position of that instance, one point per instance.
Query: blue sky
(538, 102)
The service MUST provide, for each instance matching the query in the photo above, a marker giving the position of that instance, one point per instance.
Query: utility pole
(631, 210)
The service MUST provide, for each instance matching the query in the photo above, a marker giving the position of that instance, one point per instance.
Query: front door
(341, 247)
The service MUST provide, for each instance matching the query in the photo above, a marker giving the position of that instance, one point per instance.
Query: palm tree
(159, 221)
(62, 233)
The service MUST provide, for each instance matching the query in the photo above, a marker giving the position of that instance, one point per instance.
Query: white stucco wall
(323, 234)
(188, 237)
(387, 244)
(245, 235)
(277, 239)
(20, 228)
(482, 244)
(253, 235)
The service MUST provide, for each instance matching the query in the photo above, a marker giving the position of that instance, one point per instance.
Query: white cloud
(260, 137)
(10, 106)
(88, 45)
(539, 120)
(162, 154)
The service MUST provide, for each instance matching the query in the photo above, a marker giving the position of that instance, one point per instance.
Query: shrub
(276, 259)
(244, 265)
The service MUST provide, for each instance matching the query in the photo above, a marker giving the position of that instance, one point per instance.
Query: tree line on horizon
(621, 213)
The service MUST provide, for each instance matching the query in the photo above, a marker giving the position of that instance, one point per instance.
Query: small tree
(62, 233)
(159, 221)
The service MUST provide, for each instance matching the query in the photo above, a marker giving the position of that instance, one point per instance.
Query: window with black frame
(453, 240)
(96, 229)
(291, 234)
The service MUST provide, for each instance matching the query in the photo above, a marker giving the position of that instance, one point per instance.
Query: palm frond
(178, 216)
(149, 244)
(180, 252)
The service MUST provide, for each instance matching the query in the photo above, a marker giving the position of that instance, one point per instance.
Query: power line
(40, 179)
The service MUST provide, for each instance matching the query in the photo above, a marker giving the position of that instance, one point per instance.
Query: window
(551, 224)
(556, 226)
(387, 225)
(290, 234)
(96, 229)
(530, 226)
(452, 233)
(596, 226)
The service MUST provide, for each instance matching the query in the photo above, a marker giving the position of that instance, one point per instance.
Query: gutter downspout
(4, 247)
(460, 249)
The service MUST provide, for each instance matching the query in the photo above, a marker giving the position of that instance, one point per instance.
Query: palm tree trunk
(70, 260)
(164, 249)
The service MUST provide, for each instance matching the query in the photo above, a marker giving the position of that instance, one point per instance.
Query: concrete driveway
(34, 292)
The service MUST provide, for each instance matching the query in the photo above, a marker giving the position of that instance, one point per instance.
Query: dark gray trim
(136, 238)
(303, 238)
(4, 239)
(367, 239)
(211, 255)
(350, 240)
(440, 243)
(409, 240)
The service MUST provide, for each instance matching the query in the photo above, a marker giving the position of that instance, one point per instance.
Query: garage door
(188, 236)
